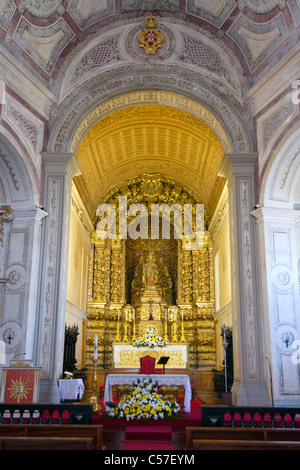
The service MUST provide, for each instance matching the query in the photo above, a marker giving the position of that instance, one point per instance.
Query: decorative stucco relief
(247, 244)
(283, 174)
(40, 8)
(150, 5)
(86, 13)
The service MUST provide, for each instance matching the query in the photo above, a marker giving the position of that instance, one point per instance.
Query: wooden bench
(95, 432)
(45, 443)
(255, 434)
(220, 444)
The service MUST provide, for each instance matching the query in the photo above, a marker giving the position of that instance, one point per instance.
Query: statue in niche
(150, 272)
(151, 275)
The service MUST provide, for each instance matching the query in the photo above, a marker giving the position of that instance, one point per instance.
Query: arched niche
(19, 255)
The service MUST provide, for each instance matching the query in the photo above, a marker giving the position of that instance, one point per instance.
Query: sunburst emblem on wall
(150, 38)
(19, 389)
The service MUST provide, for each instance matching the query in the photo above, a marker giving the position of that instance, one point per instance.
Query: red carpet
(151, 434)
(148, 438)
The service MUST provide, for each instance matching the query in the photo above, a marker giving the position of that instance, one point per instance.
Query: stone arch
(203, 83)
(19, 266)
(17, 182)
(279, 184)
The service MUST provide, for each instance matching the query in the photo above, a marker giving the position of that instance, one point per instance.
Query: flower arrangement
(143, 403)
(150, 340)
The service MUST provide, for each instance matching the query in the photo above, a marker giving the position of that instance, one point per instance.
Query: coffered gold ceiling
(149, 138)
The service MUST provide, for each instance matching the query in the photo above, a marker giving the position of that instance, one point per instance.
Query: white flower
(150, 339)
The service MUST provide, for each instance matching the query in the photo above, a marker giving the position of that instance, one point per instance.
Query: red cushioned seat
(147, 365)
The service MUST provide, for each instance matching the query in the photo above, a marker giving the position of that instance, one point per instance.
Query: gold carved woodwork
(157, 283)
(169, 392)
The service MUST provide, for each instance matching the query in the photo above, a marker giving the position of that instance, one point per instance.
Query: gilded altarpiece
(135, 284)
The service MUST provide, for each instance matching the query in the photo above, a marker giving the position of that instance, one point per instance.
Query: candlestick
(133, 332)
(174, 339)
(166, 327)
(182, 338)
(117, 338)
(96, 347)
(94, 398)
(125, 338)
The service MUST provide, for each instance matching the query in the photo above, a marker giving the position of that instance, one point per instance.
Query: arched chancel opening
(180, 155)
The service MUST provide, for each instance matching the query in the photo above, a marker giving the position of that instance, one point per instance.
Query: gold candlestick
(174, 339)
(94, 398)
(117, 338)
(182, 338)
(125, 338)
(166, 330)
(133, 332)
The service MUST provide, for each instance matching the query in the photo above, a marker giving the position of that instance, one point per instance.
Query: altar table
(128, 356)
(161, 379)
(71, 389)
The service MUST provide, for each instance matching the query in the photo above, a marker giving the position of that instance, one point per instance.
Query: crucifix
(150, 312)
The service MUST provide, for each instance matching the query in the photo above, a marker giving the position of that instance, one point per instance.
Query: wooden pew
(68, 430)
(257, 434)
(45, 443)
(220, 444)
(193, 433)
(95, 432)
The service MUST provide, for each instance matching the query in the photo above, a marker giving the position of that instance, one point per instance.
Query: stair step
(142, 445)
(149, 433)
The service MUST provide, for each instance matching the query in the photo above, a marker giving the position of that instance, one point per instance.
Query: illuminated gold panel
(149, 138)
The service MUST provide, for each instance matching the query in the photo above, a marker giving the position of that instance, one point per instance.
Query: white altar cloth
(71, 389)
(161, 379)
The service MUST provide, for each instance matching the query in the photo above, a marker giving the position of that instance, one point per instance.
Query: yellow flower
(152, 411)
(147, 407)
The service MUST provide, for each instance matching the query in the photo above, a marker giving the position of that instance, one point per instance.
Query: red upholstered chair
(147, 365)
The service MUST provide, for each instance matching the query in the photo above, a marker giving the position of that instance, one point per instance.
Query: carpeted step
(141, 445)
(149, 433)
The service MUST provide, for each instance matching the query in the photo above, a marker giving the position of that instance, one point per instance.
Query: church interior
(174, 104)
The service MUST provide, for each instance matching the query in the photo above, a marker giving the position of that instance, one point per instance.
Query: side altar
(128, 356)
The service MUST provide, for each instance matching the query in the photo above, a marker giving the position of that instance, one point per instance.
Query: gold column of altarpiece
(137, 284)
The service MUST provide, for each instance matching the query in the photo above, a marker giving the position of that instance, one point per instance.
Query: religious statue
(150, 272)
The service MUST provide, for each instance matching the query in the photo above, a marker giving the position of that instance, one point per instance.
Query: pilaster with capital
(59, 170)
(281, 304)
(249, 387)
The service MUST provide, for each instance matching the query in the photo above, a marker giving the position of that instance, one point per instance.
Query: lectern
(163, 360)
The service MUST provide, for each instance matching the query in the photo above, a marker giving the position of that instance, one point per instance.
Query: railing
(245, 416)
(45, 414)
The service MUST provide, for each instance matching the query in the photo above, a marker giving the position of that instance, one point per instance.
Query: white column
(59, 170)
(281, 307)
(249, 383)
